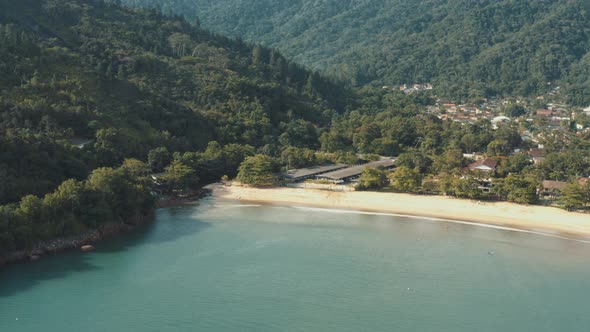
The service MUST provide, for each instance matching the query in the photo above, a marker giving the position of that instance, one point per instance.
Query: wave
(454, 221)
(229, 206)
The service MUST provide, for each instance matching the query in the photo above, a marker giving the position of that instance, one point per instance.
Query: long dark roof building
(350, 173)
(310, 172)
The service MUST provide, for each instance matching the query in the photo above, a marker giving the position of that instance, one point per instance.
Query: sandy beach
(539, 219)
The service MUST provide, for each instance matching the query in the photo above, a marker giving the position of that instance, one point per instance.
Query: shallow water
(223, 266)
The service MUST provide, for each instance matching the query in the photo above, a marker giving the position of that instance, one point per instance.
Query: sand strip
(538, 219)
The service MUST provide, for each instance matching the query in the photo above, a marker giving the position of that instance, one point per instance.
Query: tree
(517, 188)
(466, 187)
(257, 171)
(498, 148)
(158, 158)
(450, 160)
(414, 159)
(514, 110)
(295, 158)
(372, 178)
(405, 179)
(180, 177)
(136, 168)
(573, 197)
(515, 163)
(31, 209)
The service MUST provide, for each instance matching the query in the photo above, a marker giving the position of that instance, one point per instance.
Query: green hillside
(132, 81)
(464, 47)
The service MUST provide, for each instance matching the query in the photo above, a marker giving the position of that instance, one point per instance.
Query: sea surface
(227, 266)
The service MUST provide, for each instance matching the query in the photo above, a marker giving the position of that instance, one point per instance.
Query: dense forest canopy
(86, 86)
(465, 48)
(131, 81)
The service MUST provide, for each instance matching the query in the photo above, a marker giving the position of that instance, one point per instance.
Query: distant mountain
(464, 47)
(131, 80)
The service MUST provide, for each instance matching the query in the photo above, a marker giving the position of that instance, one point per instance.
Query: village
(540, 121)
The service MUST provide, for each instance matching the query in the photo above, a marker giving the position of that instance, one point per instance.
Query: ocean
(225, 266)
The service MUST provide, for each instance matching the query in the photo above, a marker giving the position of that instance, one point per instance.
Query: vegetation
(132, 83)
(371, 179)
(467, 49)
(405, 179)
(575, 196)
(108, 195)
(257, 171)
(138, 84)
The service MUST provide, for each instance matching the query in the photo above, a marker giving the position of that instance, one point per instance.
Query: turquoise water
(222, 266)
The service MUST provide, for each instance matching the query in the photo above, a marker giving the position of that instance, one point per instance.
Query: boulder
(87, 248)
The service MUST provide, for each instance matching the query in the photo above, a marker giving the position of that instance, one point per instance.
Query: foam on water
(454, 221)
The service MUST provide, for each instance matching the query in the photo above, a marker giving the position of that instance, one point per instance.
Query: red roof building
(484, 165)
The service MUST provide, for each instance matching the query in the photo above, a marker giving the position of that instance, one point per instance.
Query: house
(483, 165)
(552, 189)
(499, 120)
(485, 185)
(537, 155)
(544, 113)
(79, 142)
(474, 156)
(469, 109)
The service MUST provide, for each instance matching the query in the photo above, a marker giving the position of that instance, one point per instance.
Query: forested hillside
(103, 106)
(132, 83)
(464, 47)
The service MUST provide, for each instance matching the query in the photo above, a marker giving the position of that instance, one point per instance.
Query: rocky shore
(101, 233)
(75, 241)
(181, 200)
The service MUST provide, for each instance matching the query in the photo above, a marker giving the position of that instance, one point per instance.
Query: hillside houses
(418, 87)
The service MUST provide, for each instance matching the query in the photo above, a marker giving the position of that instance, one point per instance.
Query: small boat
(87, 248)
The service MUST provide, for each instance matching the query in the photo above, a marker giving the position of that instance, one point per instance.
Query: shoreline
(532, 219)
(72, 242)
(101, 233)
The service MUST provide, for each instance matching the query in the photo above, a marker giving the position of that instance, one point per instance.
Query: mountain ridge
(466, 48)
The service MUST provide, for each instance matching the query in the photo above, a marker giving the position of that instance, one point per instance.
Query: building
(352, 173)
(499, 120)
(552, 189)
(302, 174)
(80, 143)
(544, 113)
(483, 165)
(474, 156)
(537, 155)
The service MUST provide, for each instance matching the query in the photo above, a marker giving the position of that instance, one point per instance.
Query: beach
(537, 219)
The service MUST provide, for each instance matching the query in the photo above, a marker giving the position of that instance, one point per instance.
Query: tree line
(467, 49)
